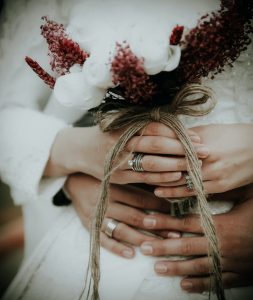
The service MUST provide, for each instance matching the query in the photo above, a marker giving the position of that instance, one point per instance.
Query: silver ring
(110, 227)
(188, 181)
(136, 163)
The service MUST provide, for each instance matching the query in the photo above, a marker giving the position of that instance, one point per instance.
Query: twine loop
(155, 114)
(193, 100)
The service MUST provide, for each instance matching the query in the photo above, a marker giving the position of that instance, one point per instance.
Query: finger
(155, 163)
(139, 198)
(192, 267)
(183, 246)
(134, 217)
(210, 187)
(173, 192)
(126, 214)
(116, 247)
(199, 285)
(159, 129)
(127, 176)
(126, 234)
(198, 267)
(162, 145)
(188, 223)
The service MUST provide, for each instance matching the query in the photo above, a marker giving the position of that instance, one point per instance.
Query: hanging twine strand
(134, 119)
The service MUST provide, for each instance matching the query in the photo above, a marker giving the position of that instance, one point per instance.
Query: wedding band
(136, 163)
(188, 181)
(110, 227)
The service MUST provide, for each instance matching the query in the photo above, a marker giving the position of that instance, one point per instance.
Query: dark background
(11, 228)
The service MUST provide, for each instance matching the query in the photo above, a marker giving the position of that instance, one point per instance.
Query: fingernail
(186, 285)
(158, 193)
(128, 253)
(174, 235)
(200, 162)
(195, 138)
(203, 151)
(176, 175)
(146, 249)
(149, 222)
(161, 268)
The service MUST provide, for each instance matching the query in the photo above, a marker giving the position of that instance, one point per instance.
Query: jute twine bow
(193, 100)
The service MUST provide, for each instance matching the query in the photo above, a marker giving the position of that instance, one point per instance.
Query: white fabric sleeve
(26, 133)
(26, 137)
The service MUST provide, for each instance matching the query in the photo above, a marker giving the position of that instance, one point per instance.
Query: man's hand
(235, 233)
(127, 205)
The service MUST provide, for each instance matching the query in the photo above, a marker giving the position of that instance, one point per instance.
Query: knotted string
(193, 100)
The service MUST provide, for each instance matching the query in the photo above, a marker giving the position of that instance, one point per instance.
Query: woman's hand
(85, 149)
(229, 164)
(235, 233)
(127, 205)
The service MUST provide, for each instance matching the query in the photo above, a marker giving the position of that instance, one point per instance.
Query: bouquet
(130, 82)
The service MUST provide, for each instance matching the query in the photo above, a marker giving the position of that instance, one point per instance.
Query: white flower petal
(97, 68)
(173, 58)
(73, 90)
(150, 41)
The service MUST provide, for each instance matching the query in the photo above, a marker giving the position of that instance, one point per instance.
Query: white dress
(57, 245)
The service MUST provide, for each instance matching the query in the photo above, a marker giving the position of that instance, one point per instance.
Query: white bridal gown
(57, 245)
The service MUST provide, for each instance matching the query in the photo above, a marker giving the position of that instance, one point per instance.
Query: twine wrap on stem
(134, 119)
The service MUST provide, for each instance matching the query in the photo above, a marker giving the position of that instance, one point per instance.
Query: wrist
(72, 151)
(64, 155)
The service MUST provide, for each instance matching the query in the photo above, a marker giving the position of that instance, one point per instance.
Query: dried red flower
(48, 79)
(128, 72)
(176, 35)
(63, 51)
(216, 41)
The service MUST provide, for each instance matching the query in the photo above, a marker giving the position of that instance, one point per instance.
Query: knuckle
(145, 177)
(181, 164)
(186, 248)
(118, 233)
(164, 177)
(201, 285)
(174, 269)
(135, 220)
(120, 178)
(159, 249)
(201, 267)
(222, 185)
(171, 192)
(187, 223)
(149, 163)
(153, 128)
(153, 146)
(115, 248)
(140, 200)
